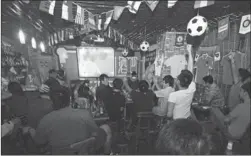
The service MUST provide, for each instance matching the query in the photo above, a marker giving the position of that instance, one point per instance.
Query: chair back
(80, 148)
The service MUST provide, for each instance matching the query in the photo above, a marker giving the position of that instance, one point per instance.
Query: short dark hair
(208, 79)
(247, 87)
(117, 83)
(60, 98)
(15, 88)
(188, 72)
(185, 79)
(52, 71)
(134, 73)
(183, 137)
(102, 77)
(143, 86)
(169, 79)
(244, 74)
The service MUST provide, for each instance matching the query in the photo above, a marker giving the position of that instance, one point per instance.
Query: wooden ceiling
(16, 14)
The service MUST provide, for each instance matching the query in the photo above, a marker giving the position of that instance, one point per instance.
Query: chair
(80, 148)
(143, 128)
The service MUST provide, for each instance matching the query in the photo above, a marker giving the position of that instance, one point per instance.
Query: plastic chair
(80, 148)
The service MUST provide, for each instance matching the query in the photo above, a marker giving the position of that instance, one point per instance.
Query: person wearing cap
(132, 83)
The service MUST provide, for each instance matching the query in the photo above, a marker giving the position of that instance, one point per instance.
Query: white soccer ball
(125, 52)
(197, 26)
(144, 46)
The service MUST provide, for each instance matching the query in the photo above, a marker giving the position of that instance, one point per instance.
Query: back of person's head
(143, 86)
(247, 88)
(61, 74)
(134, 74)
(208, 79)
(169, 79)
(103, 76)
(60, 98)
(183, 137)
(117, 84)
(188, 72)
(184, 79)
(15, 88)
(244, 74)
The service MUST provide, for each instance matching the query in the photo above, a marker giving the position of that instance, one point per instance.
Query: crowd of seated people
(62, 125)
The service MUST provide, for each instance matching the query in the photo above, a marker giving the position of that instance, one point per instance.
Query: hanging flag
(223, 27)
(133, 6)
(99, 20)
(171, 3)
(179, 40)
(62, 35)
(108, 19)
(71, 34)
(59, 36)
(55, 38)
(67, 13)
(49, 40)
(202, 3)
(92, 21)
(52, 40)
(245, 24)
(118, 10)
(79, 19)
(152, 4)
(47, 6)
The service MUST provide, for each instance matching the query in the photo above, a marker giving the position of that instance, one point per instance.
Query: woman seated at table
(213, 96)
(237, 120)
(143, 100)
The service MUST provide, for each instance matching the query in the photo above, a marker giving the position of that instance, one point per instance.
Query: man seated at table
(143, 100)
(213, 96)
(179, 102)
(163, 95)
(238, 119)
(65, 125)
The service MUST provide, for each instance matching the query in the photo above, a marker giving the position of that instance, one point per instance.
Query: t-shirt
(143, 102)
(214, 97)
(163, 96)
(182, 100)
(241, 121)
(64, 127)
(203, 65)
(227, 67)
(177, 63)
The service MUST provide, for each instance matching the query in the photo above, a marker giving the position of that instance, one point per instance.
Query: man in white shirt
(163, 95)
(179, 102)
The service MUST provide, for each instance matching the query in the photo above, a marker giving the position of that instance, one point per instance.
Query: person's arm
(6, 128)
(171, 104)
(155, 80)
(190, 58)
(234, 70)
(127, 87)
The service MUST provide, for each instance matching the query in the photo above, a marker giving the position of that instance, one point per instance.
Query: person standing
(103, 91)
(132, 83)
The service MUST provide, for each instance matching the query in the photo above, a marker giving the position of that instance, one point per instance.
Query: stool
(123, 149)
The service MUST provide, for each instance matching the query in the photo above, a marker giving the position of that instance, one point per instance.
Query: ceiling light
(42, 47)
(33, 43)
(21, 36)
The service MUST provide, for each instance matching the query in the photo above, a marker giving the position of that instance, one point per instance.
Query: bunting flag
(118, 10)
(245, 24)
(67, 13)
(171, 3)
(55, 38)
(52, 40)
(59, 36)
(26, 1)
(79, 19)
(47, 6)
(202, 3)
(223, 27)
(133, 6)
(49, 41)
(91, 19)
(62, 35)
(152, 4)
(99, 21)
(108, 18)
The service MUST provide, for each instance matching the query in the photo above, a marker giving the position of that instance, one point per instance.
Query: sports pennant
(133, 6)
(67, 13)
(91, 20)
(203, 3)
(217, 56)
(118, 10)
(108, 19)
(245, 24)
(223, 27)
(171, 3)
(152, 4)
(47, 6)
(179, 40)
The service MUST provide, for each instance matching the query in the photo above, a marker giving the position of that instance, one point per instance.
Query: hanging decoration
(33, 43)
(152, 4)
(171, 3)
(144, 46)
(203, 3)
(245, 24)
(133, 6)
(197, 26)
(125, 52)
(223, 27)
(21, 36)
